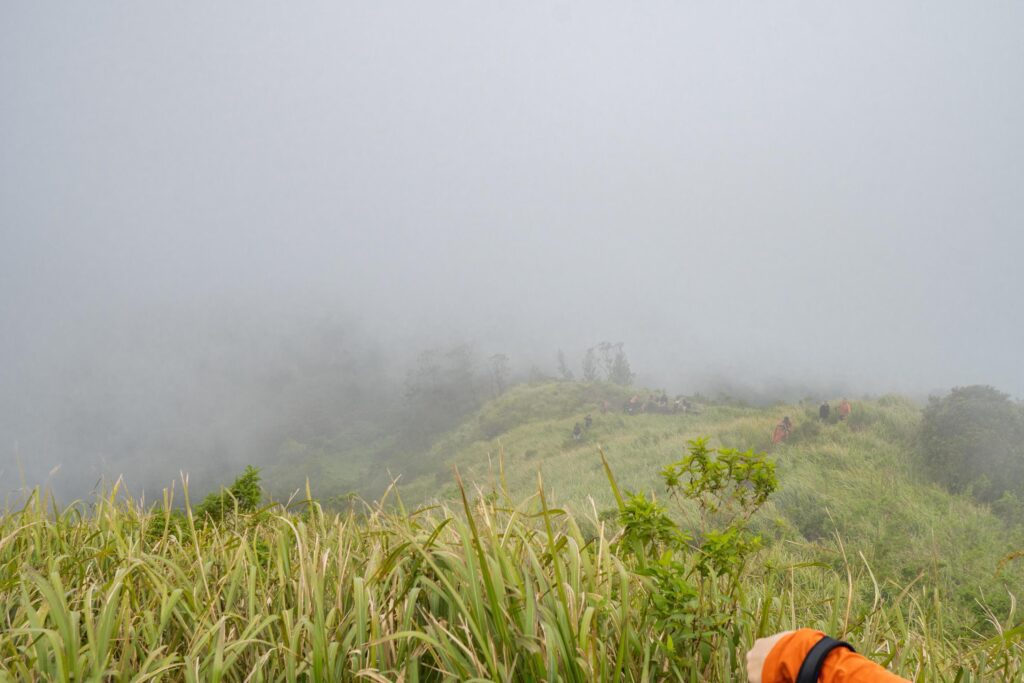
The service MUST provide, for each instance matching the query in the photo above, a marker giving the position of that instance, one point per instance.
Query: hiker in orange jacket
(782, 430)
(809, 656)
(844, 409)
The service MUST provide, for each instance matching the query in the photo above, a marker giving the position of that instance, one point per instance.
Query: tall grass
(487, 590)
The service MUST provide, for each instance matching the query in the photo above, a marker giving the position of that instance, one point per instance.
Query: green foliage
(807, 509)
(723, 480)
(243, 496)
(524, 405)
(167, 522)
(1010, 506)
(695, 581)
(661, 588)
(856, 480)
(647, 528)
(973, 441)
(488, 590)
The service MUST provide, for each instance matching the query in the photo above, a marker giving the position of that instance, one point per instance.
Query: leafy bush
(973, 441)
(243, 495)
(694, 578)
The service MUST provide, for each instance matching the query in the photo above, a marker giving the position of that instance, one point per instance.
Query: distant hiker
(844, 409)
(604, 406)
(782, 430)
(824, 411)
(633, 404)
(587, 421)
(577, 432)
(809, 655)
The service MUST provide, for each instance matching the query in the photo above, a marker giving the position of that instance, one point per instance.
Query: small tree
(606, 356)
(499, 372)
(563, 368)
(694, 572)
(609, 360)
(243, 496)
(590, 365)
(440, 390)
(620, 372)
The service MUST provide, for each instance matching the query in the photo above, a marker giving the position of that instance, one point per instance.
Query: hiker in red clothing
(809, 656)
(782, 430)
(844, 409)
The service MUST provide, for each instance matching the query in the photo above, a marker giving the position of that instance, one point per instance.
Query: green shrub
(973, 441)
(163, 523)
(243, 496)
(694, 578)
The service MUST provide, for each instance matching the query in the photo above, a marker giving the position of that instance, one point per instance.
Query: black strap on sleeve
(815, 659)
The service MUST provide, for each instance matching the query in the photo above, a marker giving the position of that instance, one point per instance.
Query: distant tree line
(216, 390)
(443, 386)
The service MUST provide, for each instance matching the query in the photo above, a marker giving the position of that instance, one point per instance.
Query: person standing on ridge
(577, 432)
(782, 430)
(844, 409)
(824, 411)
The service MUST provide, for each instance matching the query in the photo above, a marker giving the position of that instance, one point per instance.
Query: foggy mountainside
(443, 341)
(823, 201)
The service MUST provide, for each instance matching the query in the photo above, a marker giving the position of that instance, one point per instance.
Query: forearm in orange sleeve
(841, 666)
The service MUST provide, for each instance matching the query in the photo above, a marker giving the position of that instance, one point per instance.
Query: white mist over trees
(766, 200)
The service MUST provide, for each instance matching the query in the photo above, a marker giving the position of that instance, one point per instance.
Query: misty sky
(820, 191)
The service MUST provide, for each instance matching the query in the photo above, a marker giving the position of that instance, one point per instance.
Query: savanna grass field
(529, 556)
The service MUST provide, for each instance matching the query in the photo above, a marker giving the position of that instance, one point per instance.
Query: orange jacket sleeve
(841, 666)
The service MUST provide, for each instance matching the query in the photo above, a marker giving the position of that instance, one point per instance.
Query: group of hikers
(660, 403)
(843, 411)
(578, 429)
(784, 428)
(657, 403)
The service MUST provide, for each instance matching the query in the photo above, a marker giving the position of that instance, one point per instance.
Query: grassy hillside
(506, 586)
(854, 483)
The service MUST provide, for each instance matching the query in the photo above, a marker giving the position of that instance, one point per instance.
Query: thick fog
(194, 197)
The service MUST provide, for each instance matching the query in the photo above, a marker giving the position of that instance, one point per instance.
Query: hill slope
(484, 589)
(854, 481)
